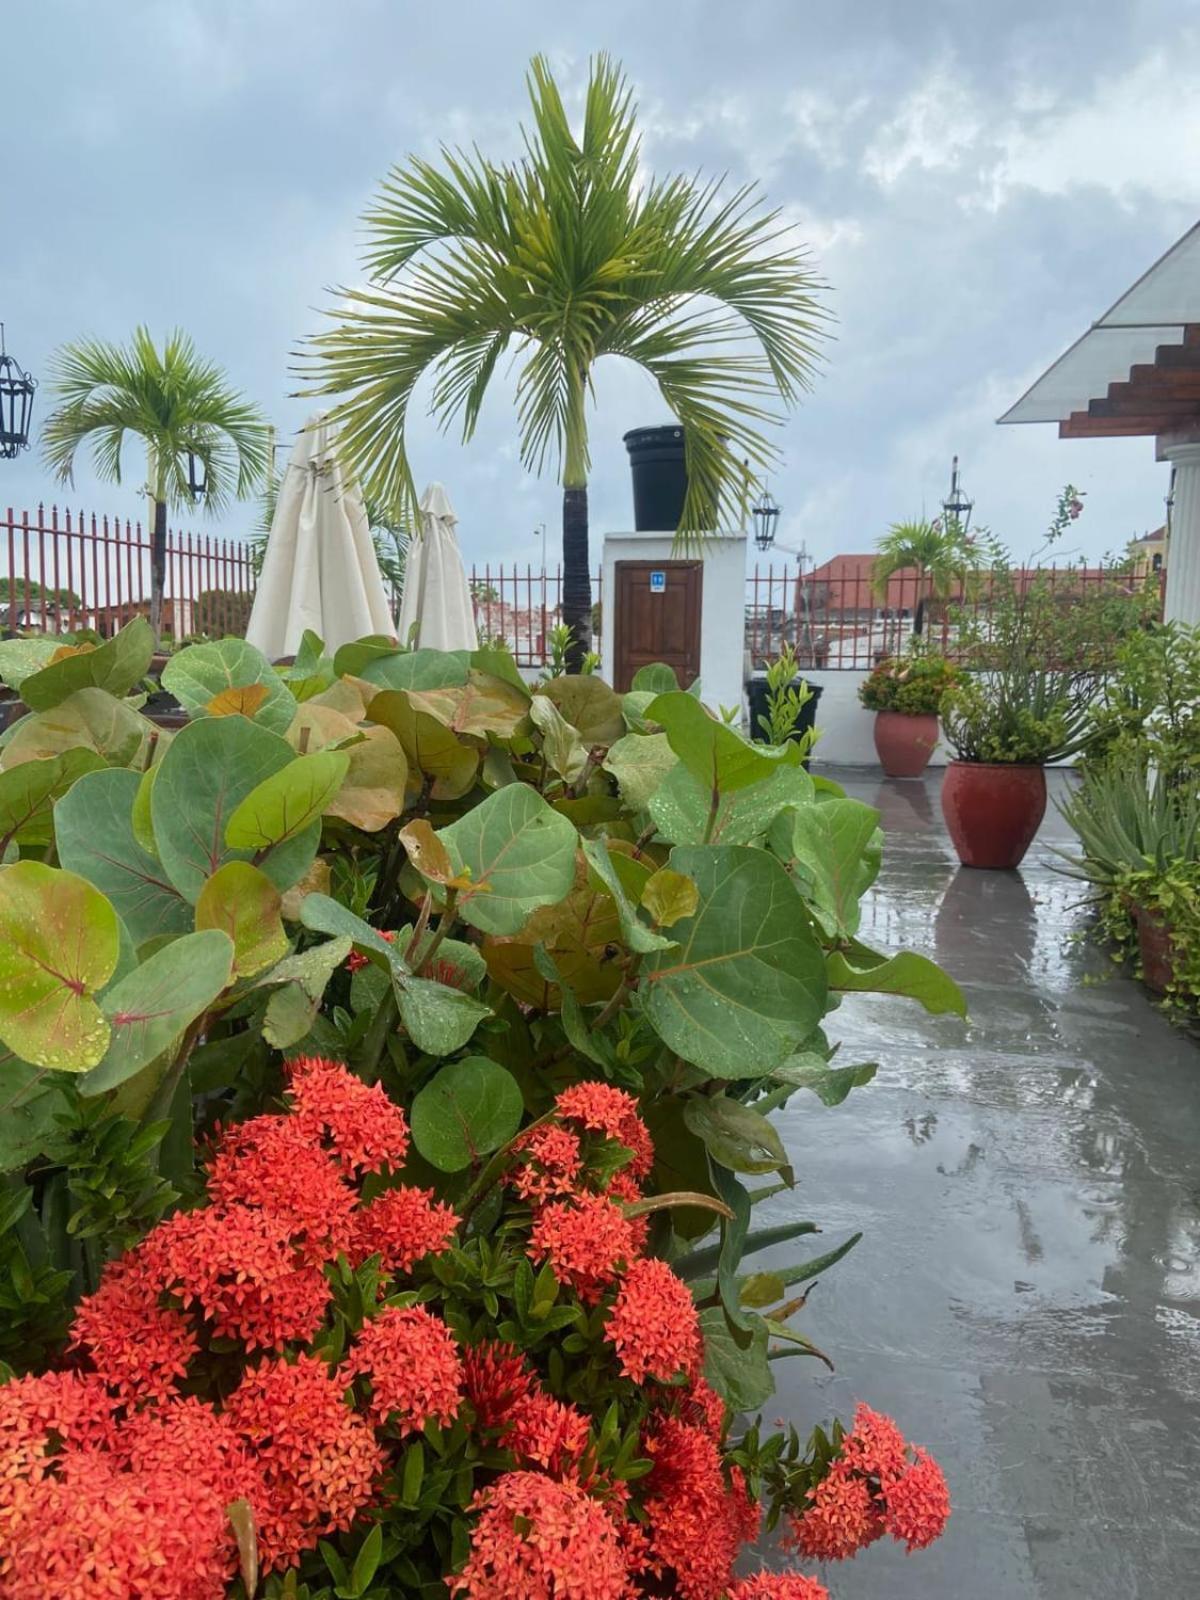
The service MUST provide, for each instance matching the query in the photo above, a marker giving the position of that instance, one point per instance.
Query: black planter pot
(656, 461)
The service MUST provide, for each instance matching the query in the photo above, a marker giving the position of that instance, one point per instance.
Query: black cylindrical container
(659, 477)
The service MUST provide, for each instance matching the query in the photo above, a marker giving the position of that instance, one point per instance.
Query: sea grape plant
(476, 891)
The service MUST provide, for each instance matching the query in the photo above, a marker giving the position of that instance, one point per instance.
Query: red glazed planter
(992, 811)
(904, 744)
(1154, 947)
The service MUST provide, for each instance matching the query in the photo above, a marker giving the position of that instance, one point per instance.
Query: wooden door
(657, 618)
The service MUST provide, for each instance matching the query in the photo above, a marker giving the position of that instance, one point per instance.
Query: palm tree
(569, 255)
(177, 404)
(940, 552)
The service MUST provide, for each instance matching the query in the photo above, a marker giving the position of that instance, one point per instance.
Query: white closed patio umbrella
(320, 570)
(437, 597)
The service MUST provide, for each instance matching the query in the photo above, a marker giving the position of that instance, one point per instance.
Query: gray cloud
(977, 183)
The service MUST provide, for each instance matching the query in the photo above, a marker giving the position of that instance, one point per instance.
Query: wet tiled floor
(1026, 1300)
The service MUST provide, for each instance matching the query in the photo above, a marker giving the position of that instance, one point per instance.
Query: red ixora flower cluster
(878, 1484)
(112, 1482)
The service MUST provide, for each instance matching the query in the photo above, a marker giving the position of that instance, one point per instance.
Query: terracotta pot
(992, 811)
(904, 744)
(1154, 947)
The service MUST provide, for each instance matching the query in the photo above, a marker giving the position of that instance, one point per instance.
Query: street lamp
(16, 404)
(956, 505)
(197, 477)
(766, 514)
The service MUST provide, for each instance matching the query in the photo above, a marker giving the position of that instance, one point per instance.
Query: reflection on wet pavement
(1026, 1300)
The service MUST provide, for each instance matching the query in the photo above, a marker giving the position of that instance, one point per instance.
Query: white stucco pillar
(1183, 554)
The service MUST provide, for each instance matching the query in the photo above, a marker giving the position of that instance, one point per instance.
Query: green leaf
(434, 754)
(831, 1085)
(747, 983)
(31, 1103)
(561, 745)
(834, 849)
(140, 818)
(908, 974)
(243, 903)
(211, 767)
(282, 806)
(196, 676)
(636, 934)
(323, 914)
(466, 1110)
(439, 1019)
(655, 678)
(520, 855)
(416, 669)
(115, 667)
(370, 1553)
(589, 705)
(669, 897)
(149, 1009)
(299, 982)
(351, 659)
(737, 1136)
(717, 756)
(698, 1262)
(28, 792)
(640, 762)
(739, 1373)
(88, 720)
(807, 1270)
(762, 1289)
(20, 658)
(681, 807)
(59, 943)
(93, 825)
(481, 706)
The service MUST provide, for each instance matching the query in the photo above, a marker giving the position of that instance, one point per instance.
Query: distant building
(1149, 553)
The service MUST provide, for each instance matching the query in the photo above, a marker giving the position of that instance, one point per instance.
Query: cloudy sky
(976, 182)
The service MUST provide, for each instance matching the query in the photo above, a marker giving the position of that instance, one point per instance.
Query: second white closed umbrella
(320, 570)
(437, 598)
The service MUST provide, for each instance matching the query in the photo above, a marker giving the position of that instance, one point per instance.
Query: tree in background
(178, 405)
(940, 553)
(569, 255)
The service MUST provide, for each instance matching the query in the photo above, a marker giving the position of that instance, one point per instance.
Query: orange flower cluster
(878, 1484)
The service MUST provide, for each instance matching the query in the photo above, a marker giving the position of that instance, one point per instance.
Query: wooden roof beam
(1079, 425)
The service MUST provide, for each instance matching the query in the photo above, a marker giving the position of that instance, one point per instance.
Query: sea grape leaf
(908, 974)
(197, 675)
(212, 765)
(415, 669)
(681, 807)
(834, 849)
(94, 829)
(561, 745)
(150, 1008)
(59, 944)
(433, 752)
(656, 678)
(90, 719)
(240, 702)
(350, 659)
(114, 667)
(640, 762)
(482, 705)
(288, 802)
(669, 897)
(29, 791)
(468, 1109)
(519, 853)
(429, 855)
(20, 658)
(831, 1085)
(373, 792)
(244, 904)
(737, 1136)
(299, 982)
(589, 705)
(717, 756)
(636, 934)
(746, 984)
(439, 1019)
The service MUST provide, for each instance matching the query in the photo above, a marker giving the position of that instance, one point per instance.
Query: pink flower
(412, 1362)
(917, 1504)
(401, 1226)
(653, 1324)
(587, 1241)
(364, 1130)
(841, 1519)
(778, 1586)
(139, 1347)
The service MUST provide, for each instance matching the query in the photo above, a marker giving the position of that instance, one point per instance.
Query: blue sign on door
(658, 583)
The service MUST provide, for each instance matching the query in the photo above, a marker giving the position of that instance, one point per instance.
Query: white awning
(1155, 311)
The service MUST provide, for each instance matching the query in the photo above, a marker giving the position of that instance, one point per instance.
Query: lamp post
(197, 477)
(16, 404)
(765, 512)
(956, 505)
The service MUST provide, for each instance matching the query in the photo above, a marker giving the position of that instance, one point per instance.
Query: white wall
(723, 606)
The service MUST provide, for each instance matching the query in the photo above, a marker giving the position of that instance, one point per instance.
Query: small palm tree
(940, 552)
(177, 404)
(568, 256)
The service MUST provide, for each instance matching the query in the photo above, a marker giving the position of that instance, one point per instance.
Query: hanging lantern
(197, 477)
(956, 505)
(16, 404)
(766, 514)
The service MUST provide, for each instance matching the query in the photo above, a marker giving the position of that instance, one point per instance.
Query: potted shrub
(905, 693)
(1004, 728)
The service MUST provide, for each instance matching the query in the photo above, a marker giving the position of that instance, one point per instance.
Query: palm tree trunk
(158, 568)
(919, 612)
(577, 581)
